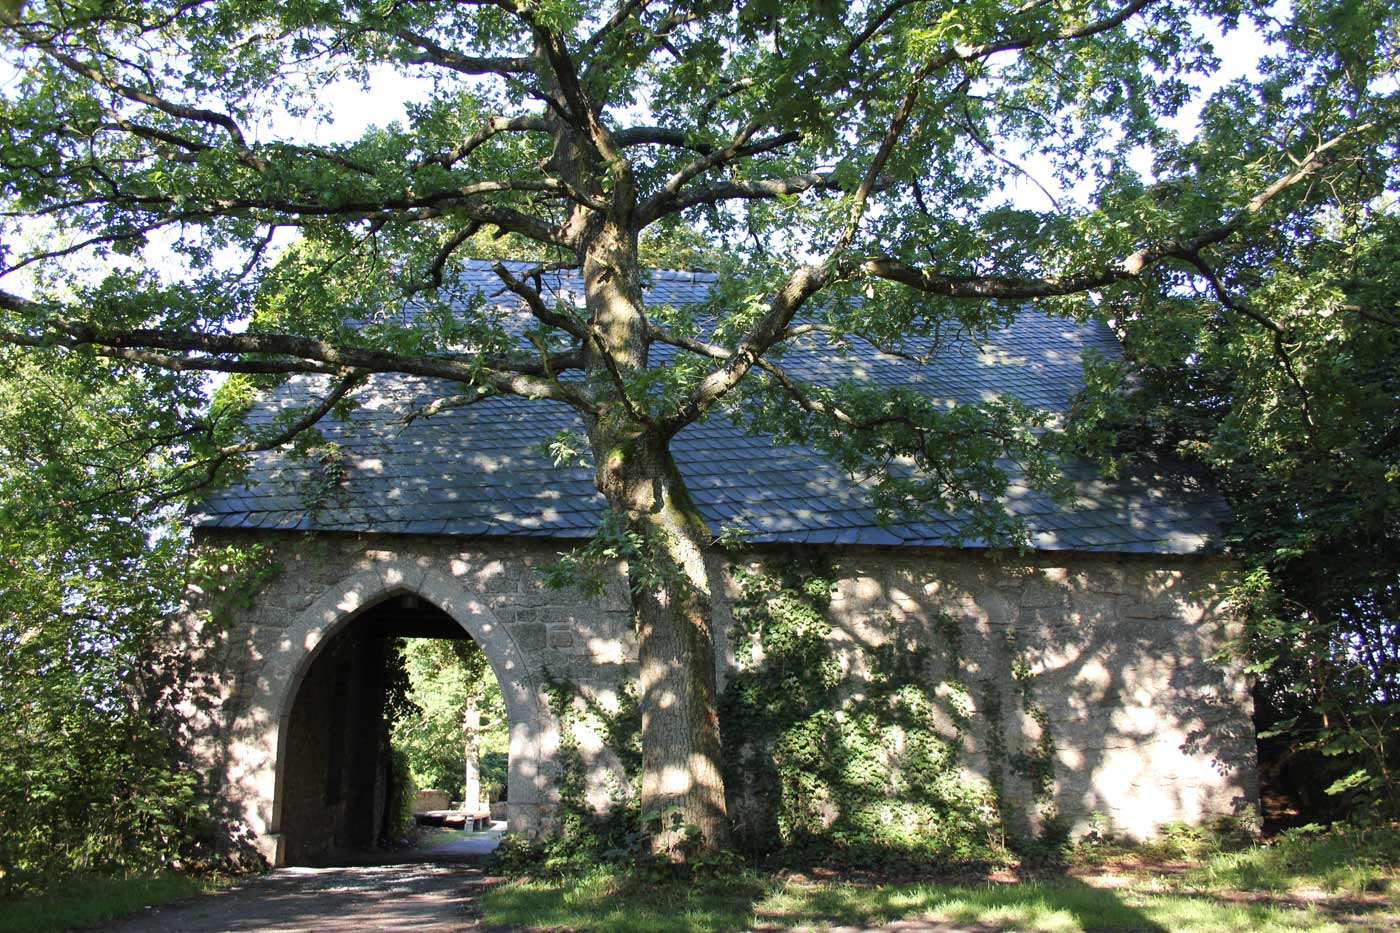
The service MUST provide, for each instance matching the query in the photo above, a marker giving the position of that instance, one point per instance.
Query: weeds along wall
(943, 703)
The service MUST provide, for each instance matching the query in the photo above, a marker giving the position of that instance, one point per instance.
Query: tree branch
(625, 10)
(740, 148)
(801, 285)
(536, 303)
(874, 26)
(494, 127)
(737, 190)
(434, 54)
(519, 374)
(307, 421)
(1131, 267)
(182, 111)
(440, 405)
(1275, 331)
(439, 263)
(883, 153)
(659, 136)
(1079, 32)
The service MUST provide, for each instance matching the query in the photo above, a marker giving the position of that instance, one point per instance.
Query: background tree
(89, 781)
(1296, 409)
(848, 158)
(1276, 362)
(445, 678)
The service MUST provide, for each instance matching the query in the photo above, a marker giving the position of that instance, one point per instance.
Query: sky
(352, 109)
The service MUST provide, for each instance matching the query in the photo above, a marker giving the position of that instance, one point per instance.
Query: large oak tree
(865, 170)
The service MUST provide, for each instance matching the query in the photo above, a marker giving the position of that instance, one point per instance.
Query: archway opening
(346, 760)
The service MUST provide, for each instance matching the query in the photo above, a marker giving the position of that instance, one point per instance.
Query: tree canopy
(89, 779)
(862, 168)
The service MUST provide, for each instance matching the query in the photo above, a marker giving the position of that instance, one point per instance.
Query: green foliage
(823, 766)
(1279, 372)
(89, 781)
(152, 162)
(590, 567)
(402, 791)
(1288, 393)
(442, 678)
(90, 900)
(1035, 764)
(230, 577)
(616, 902)
(1342, 859)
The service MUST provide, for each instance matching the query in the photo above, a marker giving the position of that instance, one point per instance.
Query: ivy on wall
(852, 757)
(230, 577)
(855, 761)
(583, 837)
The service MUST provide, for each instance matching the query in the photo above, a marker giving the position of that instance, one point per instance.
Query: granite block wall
(1148, 727)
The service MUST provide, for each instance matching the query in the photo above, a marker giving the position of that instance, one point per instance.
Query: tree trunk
(682, 789)
(471, 756)
(683, 799)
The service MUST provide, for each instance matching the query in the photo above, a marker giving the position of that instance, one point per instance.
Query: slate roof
(477, 470)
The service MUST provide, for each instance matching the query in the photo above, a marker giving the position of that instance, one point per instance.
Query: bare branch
(1014, 166)
(585, 115)
(713, 159)
(439, 263)
(170, 361)
(886, 149)
(536, 303)
(1079, 32)
(798, 392)
(1277, 332)
(623, 12)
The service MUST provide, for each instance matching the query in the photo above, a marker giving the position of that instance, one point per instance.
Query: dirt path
(429, 897)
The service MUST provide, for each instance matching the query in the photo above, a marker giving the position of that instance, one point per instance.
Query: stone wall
(1147, 729)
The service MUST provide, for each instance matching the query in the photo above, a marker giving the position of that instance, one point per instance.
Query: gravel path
(430, 897)
(435, 894)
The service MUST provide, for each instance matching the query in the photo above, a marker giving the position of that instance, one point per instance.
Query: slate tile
(473, 471)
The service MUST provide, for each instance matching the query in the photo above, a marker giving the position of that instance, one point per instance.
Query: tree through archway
(340, 790)
(450, 727)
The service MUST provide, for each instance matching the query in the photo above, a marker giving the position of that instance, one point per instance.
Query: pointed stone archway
(262, 731)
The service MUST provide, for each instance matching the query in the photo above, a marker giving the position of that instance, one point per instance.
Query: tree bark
(683, 799)
(670, 591)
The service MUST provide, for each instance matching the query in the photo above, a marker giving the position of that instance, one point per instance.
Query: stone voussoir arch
(262, 730)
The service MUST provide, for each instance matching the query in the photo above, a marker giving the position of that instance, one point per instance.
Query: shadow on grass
(605, 901)
(83, 902)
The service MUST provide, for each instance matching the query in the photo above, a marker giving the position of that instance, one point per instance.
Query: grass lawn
(1346, 882)
(431, 837)
(80, 902)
